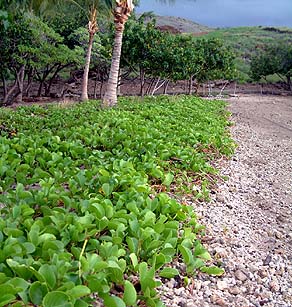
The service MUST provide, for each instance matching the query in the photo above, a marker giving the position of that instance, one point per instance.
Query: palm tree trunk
(84, 93)
(110, 98)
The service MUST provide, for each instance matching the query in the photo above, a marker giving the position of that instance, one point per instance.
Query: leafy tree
(145, 38)
(31, 46)
(165, 57)
(67, 19)
(14, 37)
(217, 61)
(275, 59)
(37, 7)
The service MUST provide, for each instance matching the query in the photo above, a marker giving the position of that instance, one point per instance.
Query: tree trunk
(20, 80)
(84, 93)
(10, 94)
(42, 79)
(289, 83)
(148, 91)
(142, 81)
(165, 87)
(58, 69)
(40, 88)
(4, 84)
(158, 86)
(101, 88)
(30, 76)
(110, 97)
(190, 92)
(95, 86)
(119, 85)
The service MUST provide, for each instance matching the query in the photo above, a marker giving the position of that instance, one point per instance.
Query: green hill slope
(246, 40)
(243, 40)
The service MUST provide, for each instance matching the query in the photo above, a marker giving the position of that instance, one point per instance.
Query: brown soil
(64, 91)
(270, 115)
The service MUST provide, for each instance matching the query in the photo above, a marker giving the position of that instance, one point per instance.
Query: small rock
(216, 299)
(267, 260)
(274, 286)
(234, 290)
(240, 275)
(198, 285)
(222, 285)
(280, 251)
(263, 273)
(221, 252)
(263, 302)
(278, 235)
(220, 198)
(253, 268)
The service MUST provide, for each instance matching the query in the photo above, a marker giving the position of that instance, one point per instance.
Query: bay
(224, 13)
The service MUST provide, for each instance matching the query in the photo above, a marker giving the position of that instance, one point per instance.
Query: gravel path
(249, 220)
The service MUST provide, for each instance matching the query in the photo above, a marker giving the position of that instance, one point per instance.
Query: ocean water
(224, 13)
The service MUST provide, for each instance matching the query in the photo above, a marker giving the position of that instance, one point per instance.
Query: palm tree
(92, 29)
(91, 7)
(121, 11)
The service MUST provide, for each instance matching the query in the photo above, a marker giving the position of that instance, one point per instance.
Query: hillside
(246, 40)
(181, 25)
(243, 40)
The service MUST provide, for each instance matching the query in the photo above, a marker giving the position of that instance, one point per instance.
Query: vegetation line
(86, 205)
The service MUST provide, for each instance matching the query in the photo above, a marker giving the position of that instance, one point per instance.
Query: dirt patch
(270, 115)
(65, 91)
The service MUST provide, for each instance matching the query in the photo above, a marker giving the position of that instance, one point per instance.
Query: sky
(225, 13)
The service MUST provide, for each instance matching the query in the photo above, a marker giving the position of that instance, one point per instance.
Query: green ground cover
(80, 213)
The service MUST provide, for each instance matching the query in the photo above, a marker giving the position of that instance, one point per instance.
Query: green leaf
(20, 269)
(57, 299)
(168, 179)
(37, 291)
(107, 189)
(47, 272)
(201, 252)
(5, 299)
(18, 283)
(79, 291)
(130, 294)
(205, 255)
(186, 253)
(169, 273)
(81, 303)
(134, 260)
(112, 301)
(3, 278)
(160, 261)
(29, 247)
(46, 237)
(212, 270)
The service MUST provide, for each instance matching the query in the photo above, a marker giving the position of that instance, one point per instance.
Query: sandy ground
(249, 219)
(270, 115)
